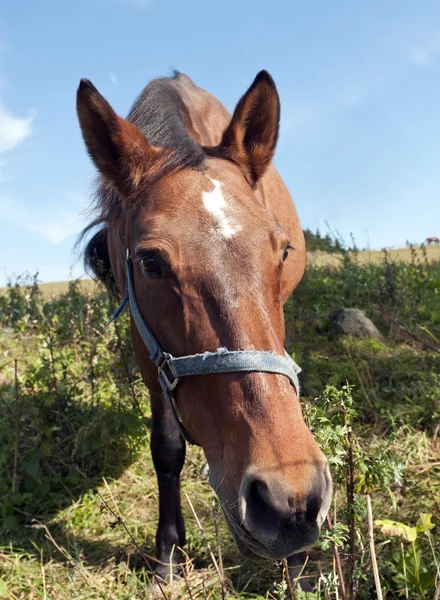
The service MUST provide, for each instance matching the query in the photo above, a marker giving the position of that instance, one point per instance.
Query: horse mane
(160, 114)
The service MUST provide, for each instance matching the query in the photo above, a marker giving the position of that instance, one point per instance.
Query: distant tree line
(324, 243)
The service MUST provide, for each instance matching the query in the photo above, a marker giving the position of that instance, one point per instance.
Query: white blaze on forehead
(215, 203)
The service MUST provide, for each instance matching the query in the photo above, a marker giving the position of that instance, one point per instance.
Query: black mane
(160, 114)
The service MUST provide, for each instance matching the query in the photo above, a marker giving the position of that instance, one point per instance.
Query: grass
(61, 287)
(74, 431)
(314, 259)
(325, 259)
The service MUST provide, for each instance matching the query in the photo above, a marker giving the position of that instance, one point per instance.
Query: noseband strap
(171, 368)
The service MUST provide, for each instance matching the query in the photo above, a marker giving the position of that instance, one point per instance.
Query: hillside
(75, 424)
(318, 259)
(372, 256)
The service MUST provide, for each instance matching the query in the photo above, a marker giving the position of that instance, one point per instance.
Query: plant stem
(127, 373)
(289, 583)
(120, 521)
(416, 569)
(373, 550)
(187, 584)
(14, 472)
(342, 589)
(350, 506)
(219, 548)
(404, 570)
(202, 531)
(428, 534)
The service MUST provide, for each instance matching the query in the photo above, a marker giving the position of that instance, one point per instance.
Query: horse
(432, 240)
(199, 234)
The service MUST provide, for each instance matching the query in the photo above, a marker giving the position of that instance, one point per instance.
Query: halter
(171, 369)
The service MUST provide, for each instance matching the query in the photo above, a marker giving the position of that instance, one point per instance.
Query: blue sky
(360, 93)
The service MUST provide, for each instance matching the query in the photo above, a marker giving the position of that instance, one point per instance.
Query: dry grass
(56, 288)
(84, 556)
(320, 259)
(313, 258)
(81, 553)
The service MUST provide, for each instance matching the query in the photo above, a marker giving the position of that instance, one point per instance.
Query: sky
(359, 84)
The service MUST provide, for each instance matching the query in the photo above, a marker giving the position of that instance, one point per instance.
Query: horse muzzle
(275, 521)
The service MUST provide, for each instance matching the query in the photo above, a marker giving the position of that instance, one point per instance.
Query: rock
(353, 322)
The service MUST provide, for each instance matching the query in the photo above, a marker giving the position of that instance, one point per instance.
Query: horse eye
(150, 267)
(286, 252)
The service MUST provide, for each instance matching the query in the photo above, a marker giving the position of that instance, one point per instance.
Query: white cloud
(356, 89)
(115, 79)
(419, 57)
(54, 224)
(13, 130)
(421, 48)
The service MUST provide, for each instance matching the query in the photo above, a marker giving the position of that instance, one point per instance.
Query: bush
(317, 242)
(74, 412)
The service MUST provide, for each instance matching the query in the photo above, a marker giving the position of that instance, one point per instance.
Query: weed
(74, 424)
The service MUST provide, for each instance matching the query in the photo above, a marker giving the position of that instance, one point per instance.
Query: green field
(77, 485)
(313, 259)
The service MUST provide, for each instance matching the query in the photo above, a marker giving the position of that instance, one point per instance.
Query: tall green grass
(74, 430)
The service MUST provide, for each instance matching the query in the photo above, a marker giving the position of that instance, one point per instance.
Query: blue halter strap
(171, 369)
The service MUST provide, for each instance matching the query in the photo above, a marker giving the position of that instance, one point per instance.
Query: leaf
(3, 589)
(10, 523)
(397, 529)
(32, 469)
(427, 580)
(45, 449)
(16, 499)
(425, 524)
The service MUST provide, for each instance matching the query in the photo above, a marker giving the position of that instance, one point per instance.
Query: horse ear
(119, 150)
(251, 136)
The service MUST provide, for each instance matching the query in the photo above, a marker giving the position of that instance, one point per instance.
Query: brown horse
(432, 240)
(217, 249)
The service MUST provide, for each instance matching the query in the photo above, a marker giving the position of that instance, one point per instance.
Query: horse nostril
(259, 512)
(281, 518)
(314, 503)
(265, 504)
(259, 502)
(258, 493)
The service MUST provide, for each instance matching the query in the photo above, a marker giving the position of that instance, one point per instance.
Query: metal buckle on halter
(170, 385)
